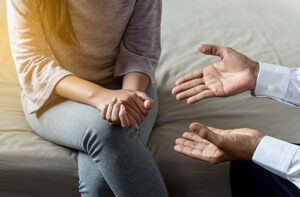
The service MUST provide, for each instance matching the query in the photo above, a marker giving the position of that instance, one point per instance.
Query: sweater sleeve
(37, 68)
(140, 47)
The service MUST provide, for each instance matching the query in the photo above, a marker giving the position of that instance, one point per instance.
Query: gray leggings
(112, 161)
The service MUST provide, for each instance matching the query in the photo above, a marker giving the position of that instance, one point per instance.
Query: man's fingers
(194, 137)
(191, 152)
(207, 134)
(192, 75)
(123, 117)
(187, 85)
(191, 92)
(195, 126)
(185, 142)
(214, 50)
(200, 96)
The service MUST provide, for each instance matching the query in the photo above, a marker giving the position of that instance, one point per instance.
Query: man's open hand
(235, 73)
(216, 145)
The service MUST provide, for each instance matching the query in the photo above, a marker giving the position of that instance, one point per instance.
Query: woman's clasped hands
(126, 108)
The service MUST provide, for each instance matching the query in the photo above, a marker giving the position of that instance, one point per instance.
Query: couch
(266, 30)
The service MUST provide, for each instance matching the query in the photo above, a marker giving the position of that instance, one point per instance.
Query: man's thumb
(207, 134)
(213, 50)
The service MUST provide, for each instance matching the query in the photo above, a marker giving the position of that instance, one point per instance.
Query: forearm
(135, 81)
(79, 90)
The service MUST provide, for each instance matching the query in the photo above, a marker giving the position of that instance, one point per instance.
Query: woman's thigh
(66, 122)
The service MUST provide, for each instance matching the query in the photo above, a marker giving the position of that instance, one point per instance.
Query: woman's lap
(119, 153)
(66, 122)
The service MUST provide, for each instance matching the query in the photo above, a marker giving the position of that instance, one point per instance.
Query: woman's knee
(100, 135)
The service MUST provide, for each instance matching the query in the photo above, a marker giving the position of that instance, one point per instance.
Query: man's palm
(234, 74)
(215, 145)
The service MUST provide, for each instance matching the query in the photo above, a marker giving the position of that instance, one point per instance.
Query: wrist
(135, 81)
(254, 74)
(97, 97)
(256, 141)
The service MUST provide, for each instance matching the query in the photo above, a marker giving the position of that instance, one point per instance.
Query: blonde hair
(55, 17)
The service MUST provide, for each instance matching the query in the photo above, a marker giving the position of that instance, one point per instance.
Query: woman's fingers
(110, 108)
(142, 95)
(123, 117)
(103, 111)
(132, 121)
(140, 104)
(134, 106)
(200, 96)
(137, 117)
(148, 102)
(118, 114)
(192, 75)
(187, 85)
(191, 92)
(115, 112)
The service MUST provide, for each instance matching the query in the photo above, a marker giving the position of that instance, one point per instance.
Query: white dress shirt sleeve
(280, 157)
(279, 83)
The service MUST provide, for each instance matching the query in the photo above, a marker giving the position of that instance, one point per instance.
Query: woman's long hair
(55, 18)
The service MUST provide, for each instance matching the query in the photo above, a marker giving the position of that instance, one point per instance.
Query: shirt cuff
(275, 155)
(272, 81)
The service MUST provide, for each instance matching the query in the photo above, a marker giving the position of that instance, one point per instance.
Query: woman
(79, 59)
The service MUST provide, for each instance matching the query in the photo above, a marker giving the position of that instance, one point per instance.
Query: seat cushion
(30, 165)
